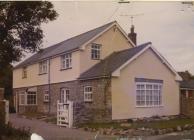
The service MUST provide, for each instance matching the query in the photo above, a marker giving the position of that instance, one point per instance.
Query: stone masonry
(187, 103)
(98, 110)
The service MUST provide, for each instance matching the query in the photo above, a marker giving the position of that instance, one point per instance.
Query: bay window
(27, 98)
(31, 98)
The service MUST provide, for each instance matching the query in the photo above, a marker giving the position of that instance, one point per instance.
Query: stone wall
(98, 110)
(187, 103)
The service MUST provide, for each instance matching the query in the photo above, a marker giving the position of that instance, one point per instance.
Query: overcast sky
(163, 23)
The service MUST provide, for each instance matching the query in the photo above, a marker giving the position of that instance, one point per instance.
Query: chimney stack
(132, 35)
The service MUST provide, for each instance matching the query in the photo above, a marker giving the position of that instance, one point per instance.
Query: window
(24, 72)
(95, 51)
(31, 98)
(88, 94)
(148, 94)
(65, 95)
(46, 96)
(22, 98)
(43, 67)
(66, 61)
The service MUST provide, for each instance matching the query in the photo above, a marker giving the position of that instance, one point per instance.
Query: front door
(64, 95)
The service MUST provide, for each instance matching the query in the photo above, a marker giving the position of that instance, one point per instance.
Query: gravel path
(51, 131)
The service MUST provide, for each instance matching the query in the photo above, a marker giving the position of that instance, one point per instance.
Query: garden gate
(65, 114)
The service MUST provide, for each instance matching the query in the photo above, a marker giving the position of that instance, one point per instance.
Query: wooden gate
(65, 114)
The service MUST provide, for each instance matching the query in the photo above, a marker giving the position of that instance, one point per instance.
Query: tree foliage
(20, 27)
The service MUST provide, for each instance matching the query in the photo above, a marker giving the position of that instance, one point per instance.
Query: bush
(7, 132)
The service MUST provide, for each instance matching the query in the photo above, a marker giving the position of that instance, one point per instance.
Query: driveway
(54, 132)
(51, 131)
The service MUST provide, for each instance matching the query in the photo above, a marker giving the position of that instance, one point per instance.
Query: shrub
(7, 132)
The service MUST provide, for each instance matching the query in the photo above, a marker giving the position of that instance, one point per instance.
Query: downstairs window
(148, 92)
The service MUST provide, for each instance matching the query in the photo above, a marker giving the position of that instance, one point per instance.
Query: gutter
(49, 86)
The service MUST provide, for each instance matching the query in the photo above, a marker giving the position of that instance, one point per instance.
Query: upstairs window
(95, 51)
(24, 72)
(88, 94)
(43, 67)
(66, 61)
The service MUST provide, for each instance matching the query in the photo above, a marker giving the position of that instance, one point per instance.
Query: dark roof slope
(187, 84)
(185, 75)
(112, 62)
(64, 46)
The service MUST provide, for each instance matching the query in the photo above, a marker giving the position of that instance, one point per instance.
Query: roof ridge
(80, 34)
(141, 45)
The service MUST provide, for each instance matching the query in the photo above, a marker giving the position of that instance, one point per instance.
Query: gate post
(6, 111)
(70, 114)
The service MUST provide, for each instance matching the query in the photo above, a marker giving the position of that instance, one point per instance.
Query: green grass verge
(139, 124)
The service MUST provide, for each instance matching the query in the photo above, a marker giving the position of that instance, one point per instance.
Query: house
(187, 93)
(104, 73)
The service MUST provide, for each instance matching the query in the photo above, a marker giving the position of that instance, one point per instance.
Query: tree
(20, 28)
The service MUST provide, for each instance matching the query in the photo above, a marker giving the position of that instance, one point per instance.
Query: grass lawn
(139, 124)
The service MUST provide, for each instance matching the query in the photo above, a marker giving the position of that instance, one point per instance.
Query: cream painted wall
(33, 77)
(149, 66)
(112, 40)
(57, 75)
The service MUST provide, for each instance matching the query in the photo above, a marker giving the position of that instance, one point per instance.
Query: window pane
(95, 51)
(148, 94)
(66, 61)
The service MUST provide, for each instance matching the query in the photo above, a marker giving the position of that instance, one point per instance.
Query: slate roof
(112, 62)
(64, 46)
(185, 75)
(187, 84)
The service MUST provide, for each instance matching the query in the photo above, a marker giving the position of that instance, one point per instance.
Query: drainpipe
(49, 86)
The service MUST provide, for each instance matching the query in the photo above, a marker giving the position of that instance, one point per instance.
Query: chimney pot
(132, 35)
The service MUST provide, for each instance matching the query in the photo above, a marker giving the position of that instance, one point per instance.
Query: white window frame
(95, 51)
(88, 95)
(152, 97)
(24, 72)
(64, 95)
(28, 94)
(43, 67)
(66, 61)
(22, 95)
(46, 96)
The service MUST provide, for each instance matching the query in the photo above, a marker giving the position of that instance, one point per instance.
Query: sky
(170, 29)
